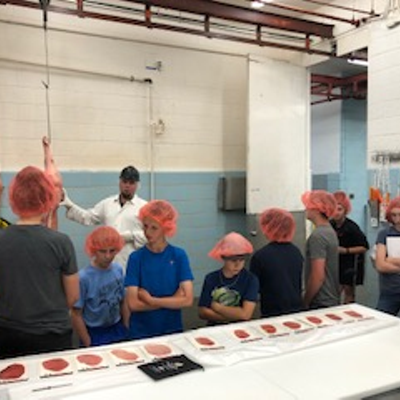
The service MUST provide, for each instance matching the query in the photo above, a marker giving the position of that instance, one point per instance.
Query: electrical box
(232, 193)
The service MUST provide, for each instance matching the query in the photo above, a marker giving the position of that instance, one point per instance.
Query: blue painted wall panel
(193, 194)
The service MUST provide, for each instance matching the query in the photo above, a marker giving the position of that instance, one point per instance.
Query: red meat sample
(353, 314)
(334, 317)
(55, 364)
(315, 320)
(204, 341)
(158, 350)
(292, 324)
(241, 333)
(89, 359)
(125, 355)
(12, 371)
(268, 328)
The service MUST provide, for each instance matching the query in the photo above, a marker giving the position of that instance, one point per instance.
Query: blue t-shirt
(228, 291)
(160, 274)
(388, 283)
(101, 294)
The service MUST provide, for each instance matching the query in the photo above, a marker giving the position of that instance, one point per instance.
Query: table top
(309, 355)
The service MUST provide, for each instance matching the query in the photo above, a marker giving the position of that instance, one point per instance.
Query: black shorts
(352, 276)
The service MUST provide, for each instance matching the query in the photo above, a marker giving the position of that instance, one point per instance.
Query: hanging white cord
(151, 142)
(46, 83)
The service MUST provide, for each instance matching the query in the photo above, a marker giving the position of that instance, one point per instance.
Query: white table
(349, 361)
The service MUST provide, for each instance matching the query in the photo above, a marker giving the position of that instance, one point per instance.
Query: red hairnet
(232, 244)
(320, 200)
(163, 213)
(342, 199)
(32, 193)
(101, 238)
(277, 225)
(394, 203)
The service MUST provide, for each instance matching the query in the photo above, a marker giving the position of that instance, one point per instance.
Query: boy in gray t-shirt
(322, 257)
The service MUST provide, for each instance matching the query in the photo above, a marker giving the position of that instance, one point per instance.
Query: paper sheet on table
(393, 246)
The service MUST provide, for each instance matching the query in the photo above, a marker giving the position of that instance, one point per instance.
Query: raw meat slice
(268, 328)
(55, 364)
(12, 371)
(241, 333)
(315, 320)
(158, 350)
(292, 325)
(334, 317)
(353, 314)
(125, 355)
(204, 341)
(89, 359)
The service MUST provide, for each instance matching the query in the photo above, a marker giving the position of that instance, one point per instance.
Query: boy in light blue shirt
(101, 316)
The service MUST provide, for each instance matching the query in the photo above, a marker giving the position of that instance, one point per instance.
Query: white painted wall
(103, 122)
(325, 137)
(383, 90)
(278, 168)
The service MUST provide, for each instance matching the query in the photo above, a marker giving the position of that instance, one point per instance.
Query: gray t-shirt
(33, 260)
(323, 243)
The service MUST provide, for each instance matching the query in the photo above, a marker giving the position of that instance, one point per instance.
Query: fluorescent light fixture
(260, 3)
(358, 61)
(257, 4)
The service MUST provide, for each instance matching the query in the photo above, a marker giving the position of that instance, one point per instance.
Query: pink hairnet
(232, 244)
(101, 238)
(394, 203)
(342, 199)
(32, 193)
(277, 225)
(320, 200)
(163, 213)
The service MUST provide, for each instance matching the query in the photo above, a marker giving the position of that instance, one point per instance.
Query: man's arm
(385, 264)
(80, 327)
(239, 313)
(315, 280)
(209, 314)
(71, 288)
(78, 214)
(134, 302)
(183, 297)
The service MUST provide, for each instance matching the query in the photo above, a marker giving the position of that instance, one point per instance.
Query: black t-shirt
(350, 235)
(279, 268)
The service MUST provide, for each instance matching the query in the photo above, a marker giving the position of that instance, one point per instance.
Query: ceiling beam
(243, 15)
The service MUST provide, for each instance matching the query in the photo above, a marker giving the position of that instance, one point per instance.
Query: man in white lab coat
(119, 211)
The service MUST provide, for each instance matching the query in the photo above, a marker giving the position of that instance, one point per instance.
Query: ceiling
(293, 25)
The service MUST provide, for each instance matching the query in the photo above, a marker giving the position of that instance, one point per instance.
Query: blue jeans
(389, 303)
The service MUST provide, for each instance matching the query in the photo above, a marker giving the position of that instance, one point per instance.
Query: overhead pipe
(145, 23)
(350, 87)
(340, 7)
(309, 12)
(243, 15)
